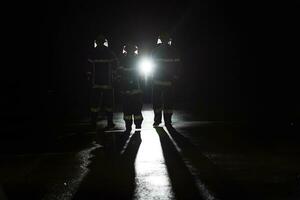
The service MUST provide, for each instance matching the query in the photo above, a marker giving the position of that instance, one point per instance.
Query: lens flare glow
(146, 66)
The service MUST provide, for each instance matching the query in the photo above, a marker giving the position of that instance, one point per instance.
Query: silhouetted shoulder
(164, 50)
(155, 50)
(101, 53)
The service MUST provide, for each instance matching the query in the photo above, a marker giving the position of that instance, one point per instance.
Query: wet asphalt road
(194, 159)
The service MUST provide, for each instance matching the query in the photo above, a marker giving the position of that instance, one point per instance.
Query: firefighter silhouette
(131, 92)
(102, 63)
(167, 61)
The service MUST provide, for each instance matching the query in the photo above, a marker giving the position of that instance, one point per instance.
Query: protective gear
(166, 61)
(130, 87)
(162, 101)
(100, 40)
(102, 63)
(164, 38)
(130, 49)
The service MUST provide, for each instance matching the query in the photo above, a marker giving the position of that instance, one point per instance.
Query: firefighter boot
(128, 125)
(167, 118)
(138, 119)
(110, 123)
(157, 118)
(94, 120)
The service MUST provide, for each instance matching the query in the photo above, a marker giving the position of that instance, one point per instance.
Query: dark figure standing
(130, 87)
(167, 61)
(100, 73)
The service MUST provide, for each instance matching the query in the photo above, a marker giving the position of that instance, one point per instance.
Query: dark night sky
(230, 52)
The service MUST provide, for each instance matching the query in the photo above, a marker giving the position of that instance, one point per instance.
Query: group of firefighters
(106, 70)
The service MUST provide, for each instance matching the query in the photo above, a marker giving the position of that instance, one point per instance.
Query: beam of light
(152, 178)
(146, 66)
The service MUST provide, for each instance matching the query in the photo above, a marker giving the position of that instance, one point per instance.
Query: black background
(237, 55)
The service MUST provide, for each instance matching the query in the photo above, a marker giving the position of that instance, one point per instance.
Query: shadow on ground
(111, 174)
(238, 162)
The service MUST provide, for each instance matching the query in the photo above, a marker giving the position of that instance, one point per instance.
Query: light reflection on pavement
(67, 189)
(152, 179)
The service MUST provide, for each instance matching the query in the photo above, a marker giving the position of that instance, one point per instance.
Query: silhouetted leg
(95, 105)
(127, 112)
(138, 104)
(168, 104)
(108, 101)
(157, 104)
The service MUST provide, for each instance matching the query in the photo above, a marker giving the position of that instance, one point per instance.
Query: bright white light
(105, 43)
(146, 66)
(159, 41)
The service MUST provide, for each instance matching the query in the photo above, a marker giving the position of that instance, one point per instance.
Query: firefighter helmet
(101, 40)
(130, 49)
(164, 38)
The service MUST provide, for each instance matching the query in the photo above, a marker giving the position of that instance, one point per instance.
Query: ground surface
(194, 159)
